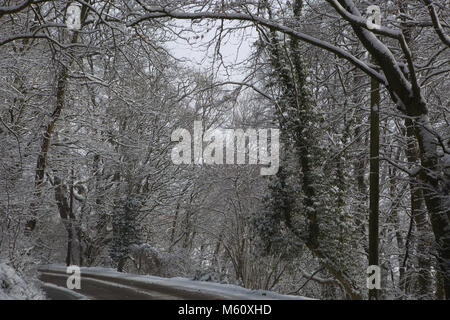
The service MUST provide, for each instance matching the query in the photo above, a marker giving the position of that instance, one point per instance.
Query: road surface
(97, 287)
(99, 283)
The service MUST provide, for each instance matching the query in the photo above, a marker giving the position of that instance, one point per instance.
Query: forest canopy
(91, 93)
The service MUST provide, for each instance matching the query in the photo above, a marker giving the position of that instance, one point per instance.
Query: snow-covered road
(107, 284)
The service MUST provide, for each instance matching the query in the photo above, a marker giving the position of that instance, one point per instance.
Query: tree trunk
(374, 294)
(436, 199)
(418, 213)
(41, 162)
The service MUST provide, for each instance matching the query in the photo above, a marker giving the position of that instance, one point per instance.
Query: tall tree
(375, 103)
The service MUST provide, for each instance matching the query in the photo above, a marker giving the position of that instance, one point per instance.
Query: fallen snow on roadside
(13, 287)
(227, 291)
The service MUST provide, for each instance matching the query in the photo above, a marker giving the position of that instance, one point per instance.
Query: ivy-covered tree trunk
(297, 120)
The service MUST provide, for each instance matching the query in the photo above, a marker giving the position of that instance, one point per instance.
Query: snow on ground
(227, 291)
(13, 287)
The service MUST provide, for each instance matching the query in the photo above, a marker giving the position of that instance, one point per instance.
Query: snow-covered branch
(436, 23)
(156, 12)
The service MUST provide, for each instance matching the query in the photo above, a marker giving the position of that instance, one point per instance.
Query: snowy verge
(225, 291)
(14, 287)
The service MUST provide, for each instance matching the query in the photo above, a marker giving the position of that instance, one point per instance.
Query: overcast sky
(235, 47)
